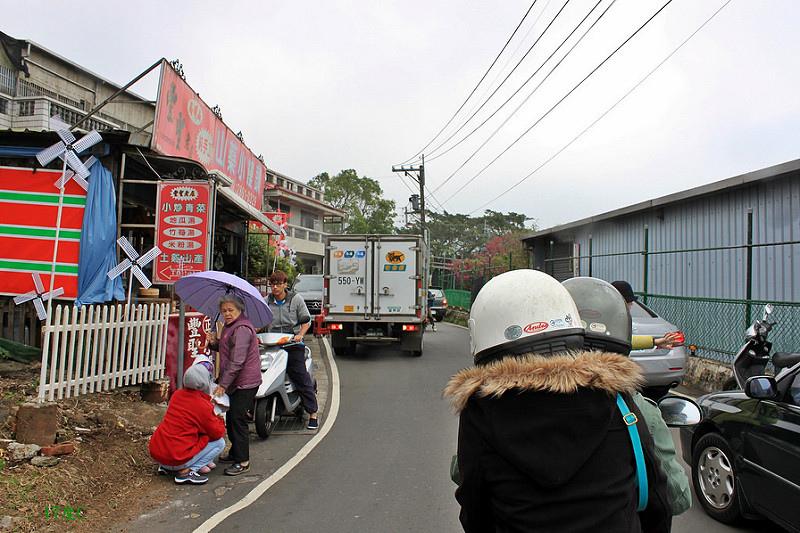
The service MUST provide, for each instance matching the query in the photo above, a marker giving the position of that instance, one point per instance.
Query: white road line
(261, 488)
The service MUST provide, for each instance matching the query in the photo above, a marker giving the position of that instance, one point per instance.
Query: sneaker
(204, 470)
(190, 477)
(313, 423)
(225, 459)
(162, 471)
(212, 465)
(236, 468)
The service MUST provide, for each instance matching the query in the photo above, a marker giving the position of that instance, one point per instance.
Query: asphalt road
(384, 466)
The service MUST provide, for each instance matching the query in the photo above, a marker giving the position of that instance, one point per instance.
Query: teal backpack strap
(641, 471)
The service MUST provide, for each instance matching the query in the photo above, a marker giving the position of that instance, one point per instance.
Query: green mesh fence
(458, 299)
(717, 327)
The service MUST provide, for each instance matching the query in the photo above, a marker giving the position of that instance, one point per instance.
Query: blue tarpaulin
(98, 252)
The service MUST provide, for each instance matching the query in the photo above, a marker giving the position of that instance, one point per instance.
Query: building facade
(309, 213)
(37, 84)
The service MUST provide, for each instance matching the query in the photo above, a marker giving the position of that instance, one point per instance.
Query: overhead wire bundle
(446, 145)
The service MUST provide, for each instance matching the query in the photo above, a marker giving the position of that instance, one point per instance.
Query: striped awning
(28, 213)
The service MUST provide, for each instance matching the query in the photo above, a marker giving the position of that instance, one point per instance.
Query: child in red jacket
(191, 435)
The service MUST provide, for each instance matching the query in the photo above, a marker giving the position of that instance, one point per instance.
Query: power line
(607, 111)
(512, 114)
(499, 86)
(476, 86)
(562, 99)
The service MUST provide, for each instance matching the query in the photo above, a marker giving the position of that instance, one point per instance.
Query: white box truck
(375, 291)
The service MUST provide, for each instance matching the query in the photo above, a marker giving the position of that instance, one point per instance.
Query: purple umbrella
(202, 291)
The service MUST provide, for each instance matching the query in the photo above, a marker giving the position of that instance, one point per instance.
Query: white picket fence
(95, 348)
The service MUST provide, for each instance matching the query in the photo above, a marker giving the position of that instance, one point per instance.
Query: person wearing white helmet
(605, 318)
(542, 442)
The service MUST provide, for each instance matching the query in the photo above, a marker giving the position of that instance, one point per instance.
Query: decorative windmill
(67, 149)
(135, 262)
(68, 175)
(38, 296)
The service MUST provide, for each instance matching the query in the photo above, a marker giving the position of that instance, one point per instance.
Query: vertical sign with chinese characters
(182, 230)
(194, 335)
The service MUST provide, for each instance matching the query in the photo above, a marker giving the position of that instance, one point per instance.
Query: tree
(501, 254)
(261, 259)
(361, 200)
(462, 236)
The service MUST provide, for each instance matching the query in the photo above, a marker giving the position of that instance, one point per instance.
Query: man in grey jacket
(290, 315)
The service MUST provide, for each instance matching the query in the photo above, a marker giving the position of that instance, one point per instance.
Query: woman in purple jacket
(239, 377)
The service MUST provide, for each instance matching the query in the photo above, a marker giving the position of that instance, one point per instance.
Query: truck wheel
(416, 353)
(264, 425)
(341, 351)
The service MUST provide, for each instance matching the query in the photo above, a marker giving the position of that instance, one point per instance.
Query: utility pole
(419, 178)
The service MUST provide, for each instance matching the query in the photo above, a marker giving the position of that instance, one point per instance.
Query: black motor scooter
(752, 358)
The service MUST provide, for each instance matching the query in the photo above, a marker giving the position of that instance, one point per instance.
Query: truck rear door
(396, 284)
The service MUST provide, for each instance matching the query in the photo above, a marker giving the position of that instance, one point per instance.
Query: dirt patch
(109, 477)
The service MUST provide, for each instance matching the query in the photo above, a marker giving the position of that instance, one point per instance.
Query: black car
(745, 454)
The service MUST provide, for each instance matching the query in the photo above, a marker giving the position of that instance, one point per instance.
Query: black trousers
(236, 423)
(296, 368)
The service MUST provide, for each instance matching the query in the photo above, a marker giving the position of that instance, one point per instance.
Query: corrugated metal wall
(714, 220)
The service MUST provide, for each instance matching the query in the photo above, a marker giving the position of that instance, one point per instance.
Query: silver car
(310, 287)
(663, 369)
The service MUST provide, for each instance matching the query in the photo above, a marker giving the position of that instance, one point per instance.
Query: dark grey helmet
(604, 314)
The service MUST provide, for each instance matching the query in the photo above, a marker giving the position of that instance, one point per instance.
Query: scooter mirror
(678, 412)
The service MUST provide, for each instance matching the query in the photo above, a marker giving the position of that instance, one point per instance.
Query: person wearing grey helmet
(607, 323)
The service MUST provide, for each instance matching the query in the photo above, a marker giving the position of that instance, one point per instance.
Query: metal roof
(728, 183)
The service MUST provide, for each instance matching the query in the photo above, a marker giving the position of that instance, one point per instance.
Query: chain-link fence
(717, 327)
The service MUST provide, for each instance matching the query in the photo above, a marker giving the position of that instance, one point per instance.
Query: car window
(639, 310)
(437, 293)
(308, 284)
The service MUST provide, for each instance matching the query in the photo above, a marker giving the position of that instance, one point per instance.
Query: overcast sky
(321, 86)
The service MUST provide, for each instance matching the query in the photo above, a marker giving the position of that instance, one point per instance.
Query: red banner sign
(182, 230)
(186, 127)
(28, 216)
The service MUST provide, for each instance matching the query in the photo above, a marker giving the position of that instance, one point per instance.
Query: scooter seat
(782, 360)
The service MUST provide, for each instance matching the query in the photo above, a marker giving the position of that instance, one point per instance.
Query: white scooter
(277, 395)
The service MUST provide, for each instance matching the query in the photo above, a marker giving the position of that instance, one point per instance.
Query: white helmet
(603, 313)
(523, 311)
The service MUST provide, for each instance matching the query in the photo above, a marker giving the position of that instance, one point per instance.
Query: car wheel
(714, 478)
(730, 384)
(439, 318)
(656, 393)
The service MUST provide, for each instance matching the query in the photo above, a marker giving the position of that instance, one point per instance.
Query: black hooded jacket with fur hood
(542, 446)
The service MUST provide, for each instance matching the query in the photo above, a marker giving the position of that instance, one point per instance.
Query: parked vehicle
(745, 454)
(663, 369)
(310, 287)
(374, 291)
(277, 395)
(439, 307)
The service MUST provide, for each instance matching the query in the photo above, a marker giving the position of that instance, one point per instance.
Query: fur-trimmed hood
(563, 373)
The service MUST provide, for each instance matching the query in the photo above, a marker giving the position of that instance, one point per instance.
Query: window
(308, 220)
(3, 106)
(279, 182)
(26, 108)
